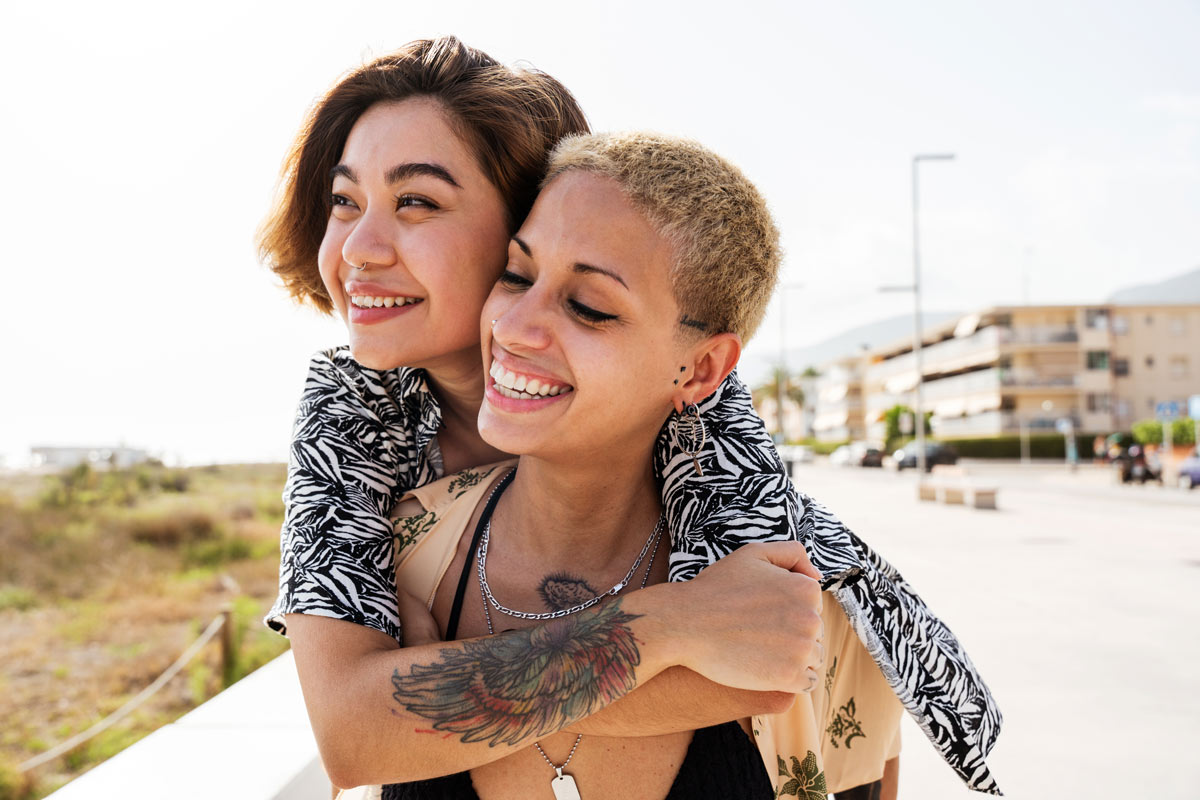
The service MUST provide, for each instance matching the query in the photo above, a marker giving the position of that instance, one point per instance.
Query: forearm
(407, 714)
(678, 699)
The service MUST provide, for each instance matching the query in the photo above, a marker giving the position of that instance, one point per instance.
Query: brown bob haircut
(509, 117)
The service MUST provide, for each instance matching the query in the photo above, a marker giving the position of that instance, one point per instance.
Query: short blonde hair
(726, 243)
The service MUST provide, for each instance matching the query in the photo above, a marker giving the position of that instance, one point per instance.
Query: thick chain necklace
(562, 612)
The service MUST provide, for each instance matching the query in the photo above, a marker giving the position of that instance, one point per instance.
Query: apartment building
(993, 372)
(838, 413)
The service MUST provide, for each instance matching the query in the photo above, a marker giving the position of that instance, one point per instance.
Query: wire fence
(221, 621)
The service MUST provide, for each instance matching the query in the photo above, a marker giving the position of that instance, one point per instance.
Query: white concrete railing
(250, 742)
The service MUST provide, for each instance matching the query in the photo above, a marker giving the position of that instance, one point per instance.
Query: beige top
(835, 738)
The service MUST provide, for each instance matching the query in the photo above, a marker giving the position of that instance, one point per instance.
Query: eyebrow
(401, 172)
(578, 267)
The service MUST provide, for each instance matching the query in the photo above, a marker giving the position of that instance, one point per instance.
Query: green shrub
(1040, 446)
(16, 597)
(1150, 431)
(173, 528)
(214, 552)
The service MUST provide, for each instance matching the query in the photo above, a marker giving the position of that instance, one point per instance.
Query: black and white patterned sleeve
(743, 496)
(349, 455)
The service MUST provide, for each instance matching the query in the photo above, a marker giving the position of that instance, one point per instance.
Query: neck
(597, 510)
(458, 385)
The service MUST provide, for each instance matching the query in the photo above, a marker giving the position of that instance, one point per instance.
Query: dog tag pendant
(563, 786)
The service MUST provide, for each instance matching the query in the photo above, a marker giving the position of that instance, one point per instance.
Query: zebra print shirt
(364, 437)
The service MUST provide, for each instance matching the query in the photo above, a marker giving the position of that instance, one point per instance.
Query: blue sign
(1194, 406)
(1167, 411)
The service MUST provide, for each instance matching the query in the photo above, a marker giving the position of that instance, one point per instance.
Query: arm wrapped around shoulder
(351, 452)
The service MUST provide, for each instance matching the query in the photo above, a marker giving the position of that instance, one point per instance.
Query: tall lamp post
(919, 411)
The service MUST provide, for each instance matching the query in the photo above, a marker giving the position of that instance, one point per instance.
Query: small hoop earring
(692, 441)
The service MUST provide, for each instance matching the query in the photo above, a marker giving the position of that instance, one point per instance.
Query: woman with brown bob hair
(399, 200)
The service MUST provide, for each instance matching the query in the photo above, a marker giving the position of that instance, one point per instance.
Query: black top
(721, 761)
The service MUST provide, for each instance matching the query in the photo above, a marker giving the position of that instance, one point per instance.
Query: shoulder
(464, 488)
(337, 383)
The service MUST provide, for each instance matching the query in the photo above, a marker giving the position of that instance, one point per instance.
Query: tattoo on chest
(560, 590)
(507, 688)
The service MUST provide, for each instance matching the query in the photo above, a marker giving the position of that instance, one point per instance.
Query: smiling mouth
(516, 386)
(366, 301)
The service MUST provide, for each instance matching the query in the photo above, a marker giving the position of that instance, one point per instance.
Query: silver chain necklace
(562, 784)
(562, 612)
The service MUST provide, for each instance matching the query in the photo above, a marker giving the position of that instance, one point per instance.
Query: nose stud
(494, 323)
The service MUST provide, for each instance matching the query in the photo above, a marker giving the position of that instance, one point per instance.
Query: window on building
(1120, 325)
(1099, 403)
(1177, 325)
(1096, 318)
(1178, 366)
(1122, 408)
(1120, 367)
(1150, 404)
(1149, 362)
(1097, 359)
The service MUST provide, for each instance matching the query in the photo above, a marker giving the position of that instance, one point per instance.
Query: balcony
(997, 423)
(1039, 336)
(1037, 379)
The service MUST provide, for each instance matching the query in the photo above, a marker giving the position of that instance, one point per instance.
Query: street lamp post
(917, 326)
(915, 288)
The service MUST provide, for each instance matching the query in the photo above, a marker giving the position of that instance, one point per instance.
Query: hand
(753, 619)
(417, 624)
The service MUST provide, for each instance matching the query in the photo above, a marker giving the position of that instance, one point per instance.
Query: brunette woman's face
(413, 209)
(585, 350)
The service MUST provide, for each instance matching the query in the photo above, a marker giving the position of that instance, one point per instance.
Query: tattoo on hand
(561, 590)
(528, 683)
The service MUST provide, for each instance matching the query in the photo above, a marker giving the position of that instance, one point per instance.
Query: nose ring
(358, 266)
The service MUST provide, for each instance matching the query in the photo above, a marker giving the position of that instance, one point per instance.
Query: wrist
(662, 628)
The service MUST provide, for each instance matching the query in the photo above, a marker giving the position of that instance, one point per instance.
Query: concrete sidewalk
(1079, 602)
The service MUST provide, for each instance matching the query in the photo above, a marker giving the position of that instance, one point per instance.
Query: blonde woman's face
(587, 324)
(412, 208)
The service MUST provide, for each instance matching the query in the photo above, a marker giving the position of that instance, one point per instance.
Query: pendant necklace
(562, 784)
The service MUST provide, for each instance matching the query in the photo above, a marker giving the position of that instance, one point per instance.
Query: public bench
(952, 486)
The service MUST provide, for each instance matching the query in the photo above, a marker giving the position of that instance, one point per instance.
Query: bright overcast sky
(143, 144)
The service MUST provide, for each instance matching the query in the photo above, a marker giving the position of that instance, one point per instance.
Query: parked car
(935, 453)
(857, 454)
(795, 454)
(1189, 470)
(841, 456)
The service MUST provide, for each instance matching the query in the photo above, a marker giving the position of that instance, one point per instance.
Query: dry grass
(104, 580)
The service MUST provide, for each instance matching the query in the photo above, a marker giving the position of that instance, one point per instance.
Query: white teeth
(363, 301)
(522, 387)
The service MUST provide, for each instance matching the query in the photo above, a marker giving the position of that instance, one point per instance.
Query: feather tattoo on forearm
(527, 683)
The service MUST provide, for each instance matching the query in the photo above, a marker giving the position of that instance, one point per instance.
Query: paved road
(1079, 602)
